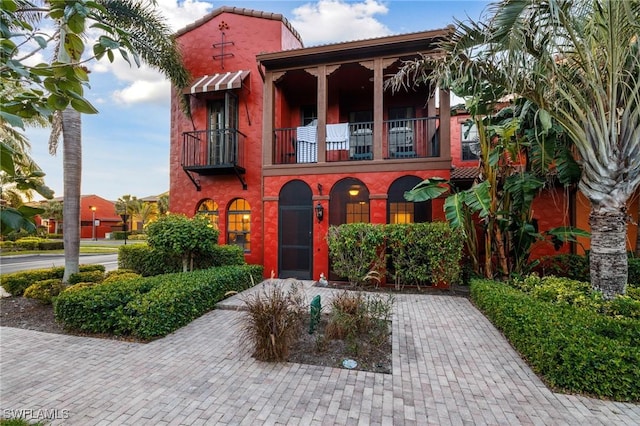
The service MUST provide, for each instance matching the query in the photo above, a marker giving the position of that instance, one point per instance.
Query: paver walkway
(450, 366)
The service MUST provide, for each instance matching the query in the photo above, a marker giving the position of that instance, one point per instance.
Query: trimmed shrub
(16, 282)
(622, 306)
(86, 277)
(119, 235)
(121, 277)
(78, 286)
(150, 307)
(425, 253)
(575, 350)
(356, 250)
(28, 243)
(110, 274)
(7, 246)
(98, 308)
(177, 299)
(44, 291)
(224, 255)
(147, 261)
(55, 236)
(137, 237)
(51, 245)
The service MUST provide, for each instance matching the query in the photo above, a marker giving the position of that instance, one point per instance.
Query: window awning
(216, 82)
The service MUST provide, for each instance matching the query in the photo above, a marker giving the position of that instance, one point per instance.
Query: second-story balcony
(211, 152)
(401, 139)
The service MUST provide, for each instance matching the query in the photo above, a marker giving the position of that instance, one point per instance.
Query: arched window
(349, 202)
(239, 224)
(400, 210)
(209, 208)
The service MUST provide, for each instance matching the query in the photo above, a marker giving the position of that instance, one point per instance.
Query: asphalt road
(10, 264)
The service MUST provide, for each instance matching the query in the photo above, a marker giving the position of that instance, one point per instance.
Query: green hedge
(419, 253)
(16, 282)
(574, 349)
(44, 291)
(424, 253)
(181, 298)
(86, 277)
(98, 308)
(146, 261)
(151, 307)
(51, 245)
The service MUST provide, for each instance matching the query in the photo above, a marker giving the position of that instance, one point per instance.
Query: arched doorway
(295, 227)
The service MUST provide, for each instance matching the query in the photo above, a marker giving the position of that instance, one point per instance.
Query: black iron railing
(213, 148)
(406, 138)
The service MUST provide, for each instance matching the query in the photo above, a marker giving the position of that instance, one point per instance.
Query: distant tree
(129, 205)
(163, 204)
(148, 211)
(53, 211)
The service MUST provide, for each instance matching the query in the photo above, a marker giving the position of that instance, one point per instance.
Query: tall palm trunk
(72, 169)
(608, 256)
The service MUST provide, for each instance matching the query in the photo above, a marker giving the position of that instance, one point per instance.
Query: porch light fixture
(354, 190)
(319, 212)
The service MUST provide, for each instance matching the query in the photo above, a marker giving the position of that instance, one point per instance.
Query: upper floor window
(209, 208)
(239, 224)
(470, 141)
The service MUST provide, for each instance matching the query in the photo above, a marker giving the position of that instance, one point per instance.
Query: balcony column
(445, 125)
(378, 108)
(322, 114)
(268, 115)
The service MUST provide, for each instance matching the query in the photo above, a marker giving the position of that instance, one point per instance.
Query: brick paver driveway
(450, 366)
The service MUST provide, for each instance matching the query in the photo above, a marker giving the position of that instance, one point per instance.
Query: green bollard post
(315, 314)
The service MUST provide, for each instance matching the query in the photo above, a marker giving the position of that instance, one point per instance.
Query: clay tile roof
(240, 11)
(464, 173)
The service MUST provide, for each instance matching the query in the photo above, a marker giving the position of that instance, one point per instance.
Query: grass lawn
(86, 247)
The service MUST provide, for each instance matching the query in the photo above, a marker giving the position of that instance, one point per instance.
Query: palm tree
(148, 211)
(133, 27)
(579, 62)
(163, 204)
(129, 205)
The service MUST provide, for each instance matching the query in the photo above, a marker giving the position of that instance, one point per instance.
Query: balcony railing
(213, 151)
(407, 138)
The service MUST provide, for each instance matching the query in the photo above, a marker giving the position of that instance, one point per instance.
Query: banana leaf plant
(521, 153)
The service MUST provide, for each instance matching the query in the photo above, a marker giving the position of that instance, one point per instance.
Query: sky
(126, 145)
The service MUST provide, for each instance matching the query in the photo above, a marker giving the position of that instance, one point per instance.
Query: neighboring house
(92, 208)
(285, 141)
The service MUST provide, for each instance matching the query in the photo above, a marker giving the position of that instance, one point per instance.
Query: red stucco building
(285, 141)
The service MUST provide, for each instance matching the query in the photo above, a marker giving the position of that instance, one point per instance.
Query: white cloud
(142, 91)
(145, 84)
(329, 21)
(182, 13)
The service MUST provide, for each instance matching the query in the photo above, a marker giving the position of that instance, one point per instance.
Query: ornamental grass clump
(274, 319)
(353, 314)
